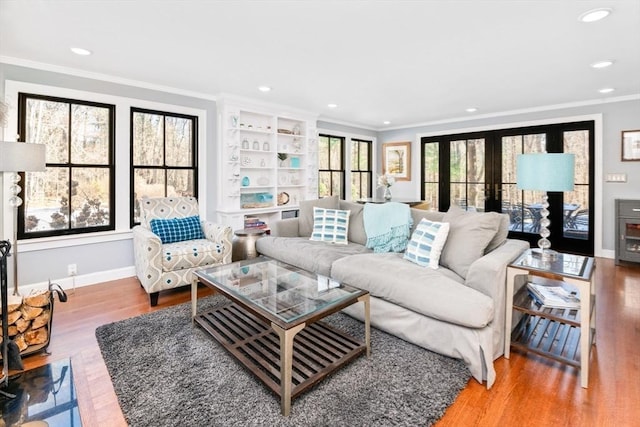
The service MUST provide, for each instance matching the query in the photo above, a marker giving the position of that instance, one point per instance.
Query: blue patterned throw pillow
(427, 242)
(177, 229)
(330, 225)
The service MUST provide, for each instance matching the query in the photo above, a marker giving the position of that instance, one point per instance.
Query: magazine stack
(560, 295)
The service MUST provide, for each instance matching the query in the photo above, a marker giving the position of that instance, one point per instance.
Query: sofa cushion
(356, 224)
(192, 253)
(419, 214)
(177, 229)
(306, 254)
(330, 225)
(469, 236)
(502, 234)
(439, 294)
(305, 224)
(426, 243)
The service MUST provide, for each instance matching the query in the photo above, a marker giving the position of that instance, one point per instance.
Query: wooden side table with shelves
(562, 334)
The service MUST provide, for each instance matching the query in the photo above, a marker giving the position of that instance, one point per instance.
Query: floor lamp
(545, 172)
(19, 157)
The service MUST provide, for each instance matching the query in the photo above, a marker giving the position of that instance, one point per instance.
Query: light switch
(616, 177)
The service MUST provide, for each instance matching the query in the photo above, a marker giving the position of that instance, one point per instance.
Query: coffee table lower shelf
(318, 349)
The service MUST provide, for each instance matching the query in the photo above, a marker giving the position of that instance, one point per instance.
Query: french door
(477, 171)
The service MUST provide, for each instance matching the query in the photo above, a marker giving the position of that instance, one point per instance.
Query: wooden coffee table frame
(265, 343)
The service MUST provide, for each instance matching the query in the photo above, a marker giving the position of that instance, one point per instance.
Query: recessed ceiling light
(80, 51)
(594, 15)
(332, 105)
(602, 64)
(606, 90)
(386, 122)
(472, 110)
(264, 89)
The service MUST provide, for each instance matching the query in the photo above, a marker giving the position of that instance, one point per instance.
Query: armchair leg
(153, 298)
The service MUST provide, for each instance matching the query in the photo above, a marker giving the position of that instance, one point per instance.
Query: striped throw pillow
(177, 229)
(427, 242)
(330, 225)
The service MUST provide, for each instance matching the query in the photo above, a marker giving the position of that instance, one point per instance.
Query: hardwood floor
(529, 390)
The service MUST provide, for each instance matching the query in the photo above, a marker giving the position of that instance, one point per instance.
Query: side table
(562, 334)
(244, 243)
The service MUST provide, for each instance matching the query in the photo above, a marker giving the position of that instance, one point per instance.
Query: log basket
(33, 338)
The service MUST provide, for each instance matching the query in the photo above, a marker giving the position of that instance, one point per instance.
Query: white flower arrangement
(386, 180)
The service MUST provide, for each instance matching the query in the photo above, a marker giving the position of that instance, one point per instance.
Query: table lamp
(545, 172)
(19, 157)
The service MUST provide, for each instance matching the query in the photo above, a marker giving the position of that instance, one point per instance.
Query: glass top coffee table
(271, 303)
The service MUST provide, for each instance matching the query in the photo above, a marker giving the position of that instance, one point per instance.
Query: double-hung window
(331, 166)
(361, 173)
(76, 192)
(163, 156)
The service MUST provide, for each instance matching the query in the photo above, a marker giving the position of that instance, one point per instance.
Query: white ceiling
(404, 61)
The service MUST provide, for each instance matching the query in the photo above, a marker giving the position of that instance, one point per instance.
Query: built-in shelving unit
(268, 161)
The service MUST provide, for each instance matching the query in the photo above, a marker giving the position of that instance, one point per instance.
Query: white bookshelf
(267, 161)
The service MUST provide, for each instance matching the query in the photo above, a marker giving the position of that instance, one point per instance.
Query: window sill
(45, 243)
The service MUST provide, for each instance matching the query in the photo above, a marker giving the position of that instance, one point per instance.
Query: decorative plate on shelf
(283, 198)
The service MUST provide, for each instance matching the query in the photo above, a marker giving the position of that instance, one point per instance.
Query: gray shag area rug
(167, 371)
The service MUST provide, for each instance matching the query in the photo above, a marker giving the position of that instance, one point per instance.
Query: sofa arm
(222, 235)
(147, 249)
(488, 274)
(285, 228)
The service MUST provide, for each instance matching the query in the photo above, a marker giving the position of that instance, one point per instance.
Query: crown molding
(103, 77)
(576, 104)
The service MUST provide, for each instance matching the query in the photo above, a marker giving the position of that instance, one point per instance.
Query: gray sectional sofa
(457, 309)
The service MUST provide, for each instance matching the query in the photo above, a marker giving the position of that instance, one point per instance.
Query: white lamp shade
(22, 157)
(545, 171)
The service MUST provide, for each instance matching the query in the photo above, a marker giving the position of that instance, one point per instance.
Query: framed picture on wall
(631, 145)
(396, 160)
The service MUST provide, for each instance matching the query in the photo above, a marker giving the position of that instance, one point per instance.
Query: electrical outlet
(616, 177)
(72, 269)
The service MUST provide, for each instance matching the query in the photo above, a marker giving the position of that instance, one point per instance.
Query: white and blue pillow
(330, 225)
(177, 229)
(427, 242)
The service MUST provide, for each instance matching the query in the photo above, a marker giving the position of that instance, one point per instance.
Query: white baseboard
(607, 253)
(82, 280)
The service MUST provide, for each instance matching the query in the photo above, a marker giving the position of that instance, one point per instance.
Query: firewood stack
(29, 320)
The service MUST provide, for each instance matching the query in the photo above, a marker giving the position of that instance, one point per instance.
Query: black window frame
(363, 172)
(194, 153)
(493, 137)
(341, 171)
(22, 126)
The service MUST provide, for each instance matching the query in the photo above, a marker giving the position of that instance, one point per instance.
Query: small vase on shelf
(387, 193)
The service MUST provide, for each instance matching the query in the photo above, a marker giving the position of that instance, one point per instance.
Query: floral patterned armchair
(168, 265)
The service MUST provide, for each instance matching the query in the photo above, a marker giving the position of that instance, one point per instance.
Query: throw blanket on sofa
(388, 226)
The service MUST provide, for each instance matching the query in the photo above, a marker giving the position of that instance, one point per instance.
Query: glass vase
(387, 193)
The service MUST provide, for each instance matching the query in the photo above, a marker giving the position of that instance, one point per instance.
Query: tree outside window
(361, 173)
(76, 192)
(163, 156)
(330, 166)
